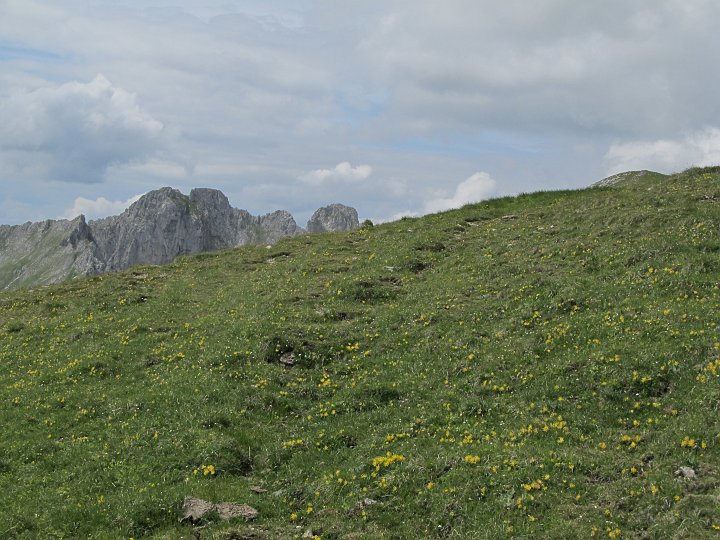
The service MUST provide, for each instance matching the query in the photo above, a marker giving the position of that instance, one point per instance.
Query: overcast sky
(394, 107)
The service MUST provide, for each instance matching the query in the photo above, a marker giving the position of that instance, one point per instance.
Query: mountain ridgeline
(160, 226)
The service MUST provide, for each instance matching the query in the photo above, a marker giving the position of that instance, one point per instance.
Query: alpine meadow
(539, 366)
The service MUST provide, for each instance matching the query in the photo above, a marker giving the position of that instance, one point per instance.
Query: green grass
(526, 367)
(46, 261)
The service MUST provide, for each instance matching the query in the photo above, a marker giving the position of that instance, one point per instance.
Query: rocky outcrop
(165, 223)
(154, 230)
(157, 228)
(333, 218)
(271, 227)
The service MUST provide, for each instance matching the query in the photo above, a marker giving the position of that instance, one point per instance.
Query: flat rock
(232, 510)
(195, 509)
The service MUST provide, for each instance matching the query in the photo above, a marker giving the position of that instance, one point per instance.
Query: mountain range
(160, 226)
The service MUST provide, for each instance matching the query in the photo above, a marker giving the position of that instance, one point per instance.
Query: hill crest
(628, 177)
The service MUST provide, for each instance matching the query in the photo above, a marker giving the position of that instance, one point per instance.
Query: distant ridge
(158, 227)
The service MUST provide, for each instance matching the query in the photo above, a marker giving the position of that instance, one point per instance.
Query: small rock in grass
(360, 506)
(288, 359)
(685, 472)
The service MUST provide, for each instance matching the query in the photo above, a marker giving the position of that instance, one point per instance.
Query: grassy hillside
(47, 262)
(529, 367)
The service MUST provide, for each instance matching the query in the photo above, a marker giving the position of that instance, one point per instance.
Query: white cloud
(343, 172)
(163, 169)
(700, 149)
(74, 132)
(12, 211)
(98, 208)
(473, 189)
(252, 95)
(551, 65)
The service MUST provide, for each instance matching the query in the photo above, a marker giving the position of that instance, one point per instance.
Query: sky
(395, 107)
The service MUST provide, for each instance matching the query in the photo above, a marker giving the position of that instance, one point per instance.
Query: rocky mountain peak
(158, 227)
(158, 201)
(334, 217)
(209, 200)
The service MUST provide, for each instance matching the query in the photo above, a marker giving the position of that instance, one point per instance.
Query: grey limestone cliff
(335, 217)
(157, 228)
